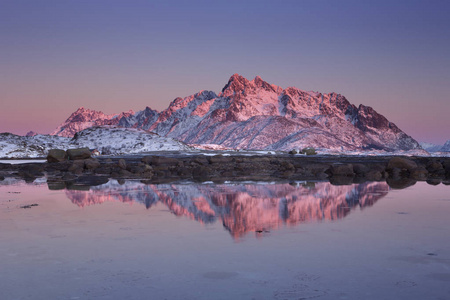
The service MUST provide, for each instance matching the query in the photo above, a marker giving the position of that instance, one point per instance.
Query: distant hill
(436, 148)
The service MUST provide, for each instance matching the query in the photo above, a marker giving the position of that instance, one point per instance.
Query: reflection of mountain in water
(242, 207)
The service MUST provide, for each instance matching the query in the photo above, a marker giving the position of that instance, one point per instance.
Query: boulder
(308, 151)
(201, 160)
(79, 153)
(395, 173)
(122, 164)
(56, 155)
(91, 163)
(400, 183)
(373, 175)
(91, 180)
(419, 173)
(433, 181)
(287, 166)
(342, 170)
(69, 177)
(56, 185)
(360, 169)
(200, 173)
(103, 170)
(401, 163)
(160, 160)
(220, 159)
(77, 167)
(4, 166)
(447, 168)
(293, 151)
(341, 180)
(435, 167)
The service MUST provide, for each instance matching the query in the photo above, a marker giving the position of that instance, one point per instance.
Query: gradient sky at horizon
(113, 56)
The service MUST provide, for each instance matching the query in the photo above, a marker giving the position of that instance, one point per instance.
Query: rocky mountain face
(258, 115)
(84, 118)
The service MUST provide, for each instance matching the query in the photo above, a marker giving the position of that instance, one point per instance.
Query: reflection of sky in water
(399, 248)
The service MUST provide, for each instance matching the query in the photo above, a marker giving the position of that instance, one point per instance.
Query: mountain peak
(81, 109)
(237, 77)
(238, 84)
(258, 115)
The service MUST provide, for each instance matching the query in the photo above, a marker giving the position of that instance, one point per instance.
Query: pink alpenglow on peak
(257, 115)
(84, 118)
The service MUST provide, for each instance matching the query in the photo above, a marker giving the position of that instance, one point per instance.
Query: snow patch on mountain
(430, 147)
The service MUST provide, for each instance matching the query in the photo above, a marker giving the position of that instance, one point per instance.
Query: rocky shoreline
(84, 171)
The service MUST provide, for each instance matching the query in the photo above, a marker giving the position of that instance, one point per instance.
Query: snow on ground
(109, 140)
(415, 152)
(117, 140)
(113, 140)
(15, 146)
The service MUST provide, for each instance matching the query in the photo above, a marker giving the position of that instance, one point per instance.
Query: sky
(113, 56)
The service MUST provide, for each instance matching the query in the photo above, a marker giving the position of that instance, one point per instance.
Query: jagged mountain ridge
(258, 115)
(84, 118)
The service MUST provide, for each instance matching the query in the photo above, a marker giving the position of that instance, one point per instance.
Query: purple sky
(56, 56)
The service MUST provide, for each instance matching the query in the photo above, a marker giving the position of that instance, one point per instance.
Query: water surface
(225, 241)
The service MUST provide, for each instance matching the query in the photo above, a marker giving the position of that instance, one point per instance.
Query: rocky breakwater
(75, 168)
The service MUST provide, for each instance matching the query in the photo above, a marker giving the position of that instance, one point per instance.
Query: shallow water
(21, 161)
(228, 241)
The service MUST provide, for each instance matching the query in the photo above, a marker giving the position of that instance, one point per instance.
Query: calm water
(228, 241)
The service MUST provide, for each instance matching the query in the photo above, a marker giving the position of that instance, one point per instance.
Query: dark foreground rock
(79, 153)
(398, 172)
(56, 155)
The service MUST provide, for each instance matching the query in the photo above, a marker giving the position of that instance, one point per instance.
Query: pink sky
(114, 56)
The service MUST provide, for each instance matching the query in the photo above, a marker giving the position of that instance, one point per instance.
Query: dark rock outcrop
(397, 171)
(56, 155)
(79, 153)
(401, 163)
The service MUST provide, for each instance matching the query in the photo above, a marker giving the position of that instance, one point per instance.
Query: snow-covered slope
(107, 139)
(15, 146)
(436, 148)
(119, 140)
(258, 115)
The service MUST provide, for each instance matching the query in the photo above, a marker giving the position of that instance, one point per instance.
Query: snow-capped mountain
(84, 118)
(446, 147)
(107, 139)
(430, 147)
(258, 115)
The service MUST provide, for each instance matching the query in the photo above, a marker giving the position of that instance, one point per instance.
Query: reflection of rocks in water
(250, 207)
